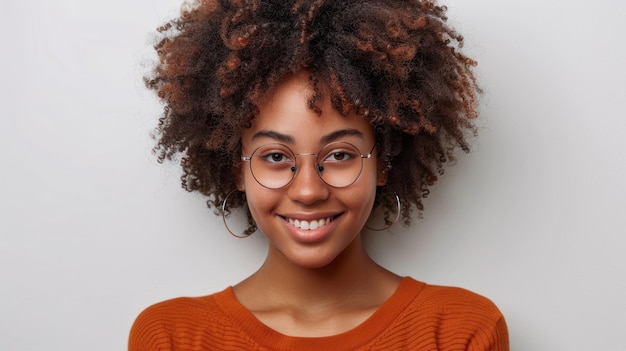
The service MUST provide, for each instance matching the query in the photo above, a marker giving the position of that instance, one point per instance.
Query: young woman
(309, 114)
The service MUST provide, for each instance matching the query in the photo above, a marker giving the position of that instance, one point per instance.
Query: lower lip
(310, 236)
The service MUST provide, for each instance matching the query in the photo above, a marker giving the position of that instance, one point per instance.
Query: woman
(309, 114)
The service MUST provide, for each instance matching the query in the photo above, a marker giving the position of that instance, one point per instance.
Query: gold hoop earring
(395, 220)
(251, 229)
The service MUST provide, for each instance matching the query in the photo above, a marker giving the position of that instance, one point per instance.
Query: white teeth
(309, 225)
(304, 225)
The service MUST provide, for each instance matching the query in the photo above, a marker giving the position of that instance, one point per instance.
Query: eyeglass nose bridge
(296, 167)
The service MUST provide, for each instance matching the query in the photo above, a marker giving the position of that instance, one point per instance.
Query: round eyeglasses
(338, 164)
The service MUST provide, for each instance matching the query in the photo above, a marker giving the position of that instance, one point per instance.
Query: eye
(276, 157)
(338, 156)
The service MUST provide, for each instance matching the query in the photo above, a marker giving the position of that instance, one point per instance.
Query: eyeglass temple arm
(369, 155)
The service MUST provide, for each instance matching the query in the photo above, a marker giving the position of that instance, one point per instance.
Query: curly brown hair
(394, 62)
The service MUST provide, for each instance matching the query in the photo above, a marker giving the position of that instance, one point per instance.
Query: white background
(93, 230)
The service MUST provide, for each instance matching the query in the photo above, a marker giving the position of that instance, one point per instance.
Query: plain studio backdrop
(93, 230)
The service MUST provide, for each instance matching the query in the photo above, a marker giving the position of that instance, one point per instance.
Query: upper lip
(310, 216)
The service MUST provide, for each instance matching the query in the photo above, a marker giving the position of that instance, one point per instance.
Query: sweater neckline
(362, 334)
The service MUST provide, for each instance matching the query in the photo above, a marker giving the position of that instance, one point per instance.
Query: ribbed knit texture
(416, 317)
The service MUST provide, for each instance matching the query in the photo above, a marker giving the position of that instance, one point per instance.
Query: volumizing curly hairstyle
(394, 62)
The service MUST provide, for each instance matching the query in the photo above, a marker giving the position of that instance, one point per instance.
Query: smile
(309, 225)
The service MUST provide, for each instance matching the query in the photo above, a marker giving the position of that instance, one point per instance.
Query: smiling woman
(309, 114)
(317, 186)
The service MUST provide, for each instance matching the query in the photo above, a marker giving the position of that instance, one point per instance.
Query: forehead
(288, 112)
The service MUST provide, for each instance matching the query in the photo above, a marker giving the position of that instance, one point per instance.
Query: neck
(353, 276)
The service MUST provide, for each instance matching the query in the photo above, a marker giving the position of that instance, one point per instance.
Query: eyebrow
(273, 135)
(336, 135)
(328, 138)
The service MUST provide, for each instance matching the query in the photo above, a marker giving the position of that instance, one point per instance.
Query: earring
(395, 220)
(251, 229)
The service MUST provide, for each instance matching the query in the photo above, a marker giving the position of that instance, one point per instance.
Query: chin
(317, 258)
(311, 261)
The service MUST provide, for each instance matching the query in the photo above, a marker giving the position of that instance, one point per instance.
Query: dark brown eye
(276, 157)
(339, 156)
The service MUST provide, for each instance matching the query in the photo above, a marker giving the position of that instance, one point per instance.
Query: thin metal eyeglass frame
(317, 165)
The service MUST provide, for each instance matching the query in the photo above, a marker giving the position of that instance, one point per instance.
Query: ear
(381, 175)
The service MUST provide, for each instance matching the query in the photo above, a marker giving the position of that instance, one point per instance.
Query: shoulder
(174, 309)
(448, 300)
(457, 301)
(162, 325)
(458, 313)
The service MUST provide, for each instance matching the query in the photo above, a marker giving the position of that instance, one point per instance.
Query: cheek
(367, 204)
(261, 201)
(362, 195)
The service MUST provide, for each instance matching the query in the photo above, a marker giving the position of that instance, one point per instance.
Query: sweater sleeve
(149, 333)
(494, 337)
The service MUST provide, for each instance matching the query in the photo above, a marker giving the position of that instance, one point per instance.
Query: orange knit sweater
(416, 317)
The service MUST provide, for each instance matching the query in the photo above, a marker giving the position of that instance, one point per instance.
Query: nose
(307, 187)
